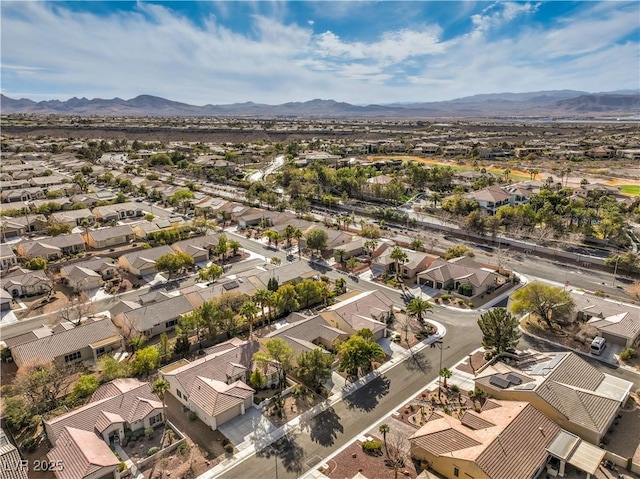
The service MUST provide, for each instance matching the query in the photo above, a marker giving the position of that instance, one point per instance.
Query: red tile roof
(81, 453)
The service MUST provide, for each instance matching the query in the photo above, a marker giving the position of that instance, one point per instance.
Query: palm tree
(288, 234)
(417, 307)
(262, 298)
(297, 234)
(384, 429)
(416, 245)
(234, 245)
(398, 256)
(352, 263)
(435, 198)
(347, 221)
(339, 255)
(370, 245)
(445, 373)
(249, 311)
(159, 388)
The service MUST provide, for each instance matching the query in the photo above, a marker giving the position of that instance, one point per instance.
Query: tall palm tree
(417, 307)
(297, 234)
(370, 245)
(445, 373)
(339, 255)
(261, 297)
(249, 311)
(288, 234)
(234, 245)
(159, 388)
(398, 256)
(384, 430)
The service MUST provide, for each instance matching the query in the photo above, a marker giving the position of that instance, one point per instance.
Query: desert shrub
(599, 293)
(228, 448)
(192, 416)
(148, 432)
(454, 388)
(372, 447)
(183, 448)
(29, 444)
(628, 354)
(152, 451)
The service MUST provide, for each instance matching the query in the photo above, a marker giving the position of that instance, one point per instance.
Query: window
(100, 351)
(178, 393)
(456, 472)
(170, 324)
(72, 357)
(155, 419)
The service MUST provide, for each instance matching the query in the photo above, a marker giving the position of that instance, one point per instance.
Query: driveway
(250, 427)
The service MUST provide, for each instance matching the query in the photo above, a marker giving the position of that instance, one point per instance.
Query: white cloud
(47, 48)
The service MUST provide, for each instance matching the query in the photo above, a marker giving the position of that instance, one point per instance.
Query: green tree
(445, 373)
(297, 234)
(547, 302)
(222, 248)
(257, 380)
(384, 430)
(628, 261)
(174, 262)
(339, 255)
(499, 330)
(276, 353)
(317, 240)
(164, 348)
(111, 369)
(287, 299)
(458, 251)
(416, 245)
(398, 256)
(36, 264)
(145, 360)
(417, 307)
(56, 228)
(352, 264)
(249, 312)
(234, 246)
(160, 388)
(308, 292)
(181, 199)
(210, 273)
(358, 352)
(84, 386)
(314, 367)
(263, 298)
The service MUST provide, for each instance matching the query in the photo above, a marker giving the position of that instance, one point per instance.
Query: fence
(622, 462)
(163, 452)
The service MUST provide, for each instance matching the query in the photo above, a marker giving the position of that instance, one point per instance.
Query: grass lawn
(630, 189)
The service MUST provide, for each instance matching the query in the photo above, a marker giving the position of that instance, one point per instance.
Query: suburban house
(307, 333)
(115, 408)
(360, 310)
(118, 211)
(10, 459)
(416, 262)
(290, 272)
(51, 248)
(335, 239)
(567, 389)
(351, 249)
(66, 342)
(144, 228)
(11, 227)
(200, 248)
(490, 198)
(215, 385)
(461, 275)
(108, 237)
(22, 194)
(74, 217)
(84, 455)
(197, 295)
(81, 279)
(24, 282)
(104, 266)
(154, 318)
(504, 440)
(143, 262)
(6, 300)
(8, 258)
(618, 323)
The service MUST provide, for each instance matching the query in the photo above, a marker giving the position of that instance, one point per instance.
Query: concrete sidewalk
(250, 447)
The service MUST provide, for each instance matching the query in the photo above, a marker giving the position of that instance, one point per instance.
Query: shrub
(372, 447)
(122, 466)
(599, 293)
(454, 388)
(228, 448)
(152, 451)
(183, 448)
(628, 354)
(192, 416)
(148, 432)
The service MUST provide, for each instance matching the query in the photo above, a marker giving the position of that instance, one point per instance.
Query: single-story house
(154, 318)
(618, 323)
(24, 282)
(66, 342)
(81, 279)
(51, 248)
(74, 217)
(108, 237)
(8, 258)
(10, 456)
(143, 262)
(144, 228)
(462, 275)
(104, 266)
(118, 211)
(22, 194)
(307, 333)
(215, 385)
(360, 310)
(119, 405)
(6, 299)
(416, 262)
(200, 248)
(563, 386)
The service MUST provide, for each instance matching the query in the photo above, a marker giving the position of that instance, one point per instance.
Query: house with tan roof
(22, 194)
(84, 456)
(490, 199)
(115, 406)
(11, 463)
(215, 386)
(80, 278)
(66, 342)
(360, 310)
(143, 262)
(107, 237)
(24, 282)
(504, 440)
(577, 396)
(51, 248)
(8, 258)
(74, 218)
(200, 248)
(144, 228)
(105, 267)
(416, 262)
(462, 275)
(307, 333)
(118, 211)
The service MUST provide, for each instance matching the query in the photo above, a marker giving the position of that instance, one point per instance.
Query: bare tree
(398, 454)
(74, 310)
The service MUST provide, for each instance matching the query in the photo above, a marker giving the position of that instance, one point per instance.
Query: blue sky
(274, 52)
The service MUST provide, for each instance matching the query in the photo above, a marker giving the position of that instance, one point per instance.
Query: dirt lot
(293, 407)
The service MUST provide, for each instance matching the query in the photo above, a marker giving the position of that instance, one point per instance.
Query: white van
(597, 345)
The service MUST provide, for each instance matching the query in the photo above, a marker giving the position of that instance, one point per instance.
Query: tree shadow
(418, 362)
(324, 427)
(367, 398)
(288, 451)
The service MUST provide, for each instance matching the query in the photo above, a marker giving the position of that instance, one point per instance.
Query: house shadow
(367, 398)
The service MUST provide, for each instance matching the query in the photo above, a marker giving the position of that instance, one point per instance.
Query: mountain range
(552, 103)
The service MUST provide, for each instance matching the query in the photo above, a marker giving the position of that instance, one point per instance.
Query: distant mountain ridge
(540, 103)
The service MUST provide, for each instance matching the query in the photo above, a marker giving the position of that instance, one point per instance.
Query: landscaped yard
(630, 189)
(292, 406)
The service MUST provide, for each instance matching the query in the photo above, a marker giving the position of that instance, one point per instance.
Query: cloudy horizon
(277, 52)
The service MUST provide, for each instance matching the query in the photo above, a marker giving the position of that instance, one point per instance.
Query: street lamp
(615, 271)
(438, 344)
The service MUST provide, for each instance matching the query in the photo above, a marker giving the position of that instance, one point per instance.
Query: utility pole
(439, 345)
(615, 271)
